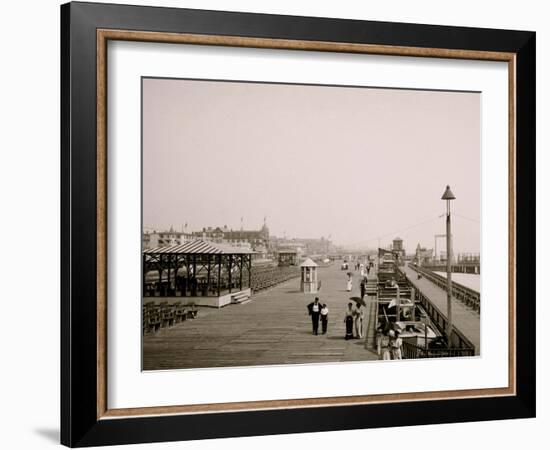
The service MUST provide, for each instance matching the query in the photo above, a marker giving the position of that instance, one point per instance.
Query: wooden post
(219, 273)
(229, 277)
(208, 275)
(249, 260)
(144, 270)
(160, 275)
(240, 272)
(168, 275)
(188, 281)
(196, 281)
(176, 268)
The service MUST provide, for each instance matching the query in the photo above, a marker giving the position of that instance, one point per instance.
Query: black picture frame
(80, 425)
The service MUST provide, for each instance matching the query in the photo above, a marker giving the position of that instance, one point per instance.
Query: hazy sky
(354, 163)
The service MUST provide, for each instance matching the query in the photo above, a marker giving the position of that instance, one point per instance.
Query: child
(324, 318)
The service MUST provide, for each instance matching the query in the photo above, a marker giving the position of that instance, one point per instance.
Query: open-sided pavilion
(207, 273)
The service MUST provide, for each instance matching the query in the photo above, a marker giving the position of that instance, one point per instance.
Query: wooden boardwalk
(274, 328)
(464, 318)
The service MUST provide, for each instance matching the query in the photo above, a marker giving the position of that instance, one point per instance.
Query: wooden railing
(462, 293)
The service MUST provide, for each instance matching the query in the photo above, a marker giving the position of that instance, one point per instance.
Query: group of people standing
(388, 343)
(354, 321)
(318, 311)
(363, 268)
(354, 314)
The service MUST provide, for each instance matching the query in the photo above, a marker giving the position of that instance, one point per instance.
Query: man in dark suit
(314, 310)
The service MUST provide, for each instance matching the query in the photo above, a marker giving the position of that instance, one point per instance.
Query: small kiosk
(309, 283)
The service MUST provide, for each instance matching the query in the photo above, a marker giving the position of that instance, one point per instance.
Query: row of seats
(164, 314)
(267, 277)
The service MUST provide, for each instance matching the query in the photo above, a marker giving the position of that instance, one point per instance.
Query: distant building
(423, 255)
(256, 240)
(306, 246)
(153, 239)
(398, 251)
(259, 241)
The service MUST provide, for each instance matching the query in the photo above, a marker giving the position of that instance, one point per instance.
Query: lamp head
(448, 194)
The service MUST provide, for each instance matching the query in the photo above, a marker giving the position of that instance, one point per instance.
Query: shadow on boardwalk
(272, 329)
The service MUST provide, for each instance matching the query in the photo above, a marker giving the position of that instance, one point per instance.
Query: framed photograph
(278, 224)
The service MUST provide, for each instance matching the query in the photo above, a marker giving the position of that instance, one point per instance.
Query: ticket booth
(309, 282)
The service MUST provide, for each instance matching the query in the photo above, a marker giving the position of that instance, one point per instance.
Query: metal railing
(413, 351)
(466, 295)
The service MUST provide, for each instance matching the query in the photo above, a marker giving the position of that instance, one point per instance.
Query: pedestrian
(385, 349)
(349, 285)
(349, 321)
(379, 333)
(314, 310)
(324, 318)
(362, 288)
(395, 343)
(358, 321)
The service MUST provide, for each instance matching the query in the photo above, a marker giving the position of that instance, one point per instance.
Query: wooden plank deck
(464, 318)
(274, 328)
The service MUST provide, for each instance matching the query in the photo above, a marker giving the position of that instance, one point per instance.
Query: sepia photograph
(299, 224)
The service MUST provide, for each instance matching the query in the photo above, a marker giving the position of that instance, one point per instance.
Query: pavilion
(198, 272)
(287, 258)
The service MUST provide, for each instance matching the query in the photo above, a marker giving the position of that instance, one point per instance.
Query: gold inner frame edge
(104, 35)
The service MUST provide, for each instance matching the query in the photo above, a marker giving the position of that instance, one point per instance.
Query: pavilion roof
(199, 247)
(308, 263)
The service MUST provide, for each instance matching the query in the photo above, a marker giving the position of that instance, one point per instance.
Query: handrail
(466, 295)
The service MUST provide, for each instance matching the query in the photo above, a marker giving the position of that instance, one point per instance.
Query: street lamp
(448, 196)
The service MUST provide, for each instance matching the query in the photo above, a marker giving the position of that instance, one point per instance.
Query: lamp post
(448, 196)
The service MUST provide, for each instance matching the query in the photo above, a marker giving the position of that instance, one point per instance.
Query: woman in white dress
(358, 321)
(350, 284)
(384, 351)
(396, 342)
